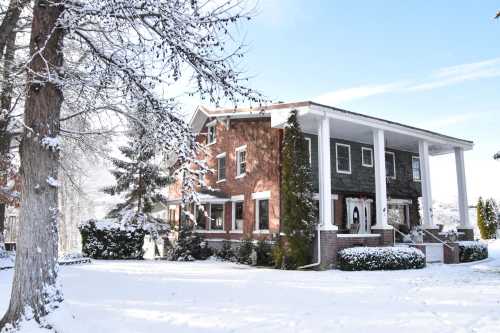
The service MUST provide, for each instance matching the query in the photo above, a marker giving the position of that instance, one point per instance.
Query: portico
(381, 136)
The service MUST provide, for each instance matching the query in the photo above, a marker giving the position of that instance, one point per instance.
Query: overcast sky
(431, 64)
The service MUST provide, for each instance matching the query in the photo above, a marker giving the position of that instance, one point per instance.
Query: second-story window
(211, 133)
(221, 167)
(343, 155)
(415, 166)
(390, 164)
(367, 157)
(241, 161)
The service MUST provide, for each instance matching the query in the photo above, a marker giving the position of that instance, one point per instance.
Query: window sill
(220, 181)
(211, 231)
(240, 176)
(344, 172)
(264, 232)
(236, 231)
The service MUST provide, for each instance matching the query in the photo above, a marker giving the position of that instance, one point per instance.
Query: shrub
(190, 246)
(472, 251)
(226, 252)
(264, 251)
(109, 239)
(245, 251)
(380, 258)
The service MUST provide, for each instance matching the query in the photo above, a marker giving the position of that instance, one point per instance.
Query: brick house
(368, 175)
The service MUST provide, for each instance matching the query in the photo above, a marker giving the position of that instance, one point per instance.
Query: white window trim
(394, 163)
(258, 196)
(337, 144)
(362, 157)
(419, 167)
(237, 151)
(211, 125)
(209, 216)
(309, 147)
(234, 200)
(218, 157)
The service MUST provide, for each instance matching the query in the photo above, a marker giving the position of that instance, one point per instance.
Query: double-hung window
(367, 157)
(261, 210)
(211, 133)
(221, 167)
(343, 157)
(241, 161)
(238, 208)
(216, 217)
(390, 164)
(415, 166)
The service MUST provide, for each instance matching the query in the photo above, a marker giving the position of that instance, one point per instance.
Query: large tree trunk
(5, 135)
(34, 290)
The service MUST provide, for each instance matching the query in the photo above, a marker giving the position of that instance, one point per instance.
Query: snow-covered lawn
(146, 296)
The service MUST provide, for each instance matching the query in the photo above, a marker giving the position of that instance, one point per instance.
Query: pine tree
(481, 224)
(299, 212)
(138, 177)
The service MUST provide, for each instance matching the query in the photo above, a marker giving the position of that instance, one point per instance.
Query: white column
(380, 180)
(324, 175)
(463, 205)
(425, 175)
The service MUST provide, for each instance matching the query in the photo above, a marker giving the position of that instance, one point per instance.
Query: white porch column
(423, 150)
(463, 205)
(380, 180)
(325, 179)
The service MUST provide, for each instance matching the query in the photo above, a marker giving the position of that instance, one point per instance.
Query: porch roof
(206, 196)
(345, 125)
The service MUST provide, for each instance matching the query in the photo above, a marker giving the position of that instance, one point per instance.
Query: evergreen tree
(299, 212)
(481, 223)
(490, 209)
(138, 176)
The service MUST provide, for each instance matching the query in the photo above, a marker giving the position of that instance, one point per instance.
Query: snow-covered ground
(146, 296)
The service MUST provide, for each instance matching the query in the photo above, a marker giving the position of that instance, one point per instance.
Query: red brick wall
(262, 169)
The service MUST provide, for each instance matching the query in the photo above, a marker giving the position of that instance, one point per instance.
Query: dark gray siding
(362, 179)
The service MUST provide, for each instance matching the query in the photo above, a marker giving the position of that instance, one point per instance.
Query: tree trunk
(10, 21)
(5, 136)
(34, 290)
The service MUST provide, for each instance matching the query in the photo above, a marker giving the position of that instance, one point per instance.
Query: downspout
(319, 253)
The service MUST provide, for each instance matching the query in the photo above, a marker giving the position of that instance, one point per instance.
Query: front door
(359, 214)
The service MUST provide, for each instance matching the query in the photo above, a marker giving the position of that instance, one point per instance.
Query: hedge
(109, 239)
(380, 258)
(472, 251)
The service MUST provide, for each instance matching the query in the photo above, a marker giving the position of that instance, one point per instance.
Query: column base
(386, 236)
(468, 234)
(328, 248)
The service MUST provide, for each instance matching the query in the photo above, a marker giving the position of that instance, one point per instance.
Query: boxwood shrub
(109, 239)
(380, 258)
(472, 251)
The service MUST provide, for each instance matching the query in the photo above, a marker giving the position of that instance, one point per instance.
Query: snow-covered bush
(226, 252)
(245, 251)
(190, 246)
(111, 239)
(264, 251)
(472, 251)
(380, 258)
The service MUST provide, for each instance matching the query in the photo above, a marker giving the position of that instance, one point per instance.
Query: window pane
(416, 168)
(242, 157)
(211, 134)
(263, 214)
(367, 157)
(343, 158)
(396, 214)
(201, 217)
(217, 217)
(389, 165)
(221, 168)
(238, 218)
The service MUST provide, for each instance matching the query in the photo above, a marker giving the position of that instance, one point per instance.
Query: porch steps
(434, 252)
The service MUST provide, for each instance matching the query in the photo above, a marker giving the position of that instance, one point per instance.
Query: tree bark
(34, 291)
(10, 21)
(6, 104)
